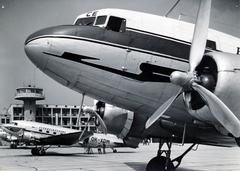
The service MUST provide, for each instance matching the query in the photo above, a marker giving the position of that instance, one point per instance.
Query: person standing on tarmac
(104, 147)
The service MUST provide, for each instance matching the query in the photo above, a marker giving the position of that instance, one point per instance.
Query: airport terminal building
(62, 115)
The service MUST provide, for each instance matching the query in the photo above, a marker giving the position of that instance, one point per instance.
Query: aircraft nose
(34, 47)
(38, 44)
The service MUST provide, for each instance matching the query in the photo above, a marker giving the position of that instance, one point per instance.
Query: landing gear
(38, 151)
(114, 150)
(164, 163)
(13, 145)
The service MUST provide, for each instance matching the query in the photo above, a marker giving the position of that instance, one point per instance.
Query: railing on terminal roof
(29, 92)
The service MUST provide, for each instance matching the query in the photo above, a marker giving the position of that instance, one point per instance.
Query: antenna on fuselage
(172, 8)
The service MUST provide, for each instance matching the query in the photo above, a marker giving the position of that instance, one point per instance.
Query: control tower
(29, 95)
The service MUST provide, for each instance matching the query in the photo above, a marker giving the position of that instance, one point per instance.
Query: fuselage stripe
(113, 45)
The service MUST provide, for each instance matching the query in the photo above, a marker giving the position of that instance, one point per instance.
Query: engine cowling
(118, 122)
(220, 73)
(27, 136)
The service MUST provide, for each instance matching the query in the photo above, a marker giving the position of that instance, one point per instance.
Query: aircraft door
(117, 38)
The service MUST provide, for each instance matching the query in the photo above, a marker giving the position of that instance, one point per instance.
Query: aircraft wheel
(114, 151)
(13, 146)
(158, 164)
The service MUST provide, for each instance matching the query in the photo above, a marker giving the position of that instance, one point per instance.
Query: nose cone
(38, 44)
(34, 50)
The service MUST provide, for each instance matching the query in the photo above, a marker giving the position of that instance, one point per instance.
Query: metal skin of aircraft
(110, 140)
(179, 81)
(41, 134)
(9, 138)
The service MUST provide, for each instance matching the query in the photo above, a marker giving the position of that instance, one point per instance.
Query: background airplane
(100, 140)
(41, 134)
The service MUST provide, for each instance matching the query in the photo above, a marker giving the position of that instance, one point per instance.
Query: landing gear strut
(163, 162)
(13, 145)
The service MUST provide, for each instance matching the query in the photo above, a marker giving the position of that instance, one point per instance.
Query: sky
(18, 19)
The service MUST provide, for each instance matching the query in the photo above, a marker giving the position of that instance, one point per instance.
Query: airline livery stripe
(113, 45)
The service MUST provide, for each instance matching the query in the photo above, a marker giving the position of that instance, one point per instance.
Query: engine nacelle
(27, 136)
(221, 72)
(118, 122)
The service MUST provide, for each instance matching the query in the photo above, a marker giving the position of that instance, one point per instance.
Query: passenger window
(85, 21)
(116, 24)
(101, 20)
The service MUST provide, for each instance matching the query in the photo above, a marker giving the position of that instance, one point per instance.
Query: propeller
(189, 81)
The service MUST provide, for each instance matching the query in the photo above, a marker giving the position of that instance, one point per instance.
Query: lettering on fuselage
(238, 50)
(98, 141)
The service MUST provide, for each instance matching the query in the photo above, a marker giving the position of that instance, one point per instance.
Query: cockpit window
(116, 24)
(101, 20)
(85, 21)
(211, 44)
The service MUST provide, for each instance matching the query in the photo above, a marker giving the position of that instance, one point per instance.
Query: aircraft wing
(64, 139)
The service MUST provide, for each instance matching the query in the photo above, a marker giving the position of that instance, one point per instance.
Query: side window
(211, 45)
(116, 24)
(101, 20)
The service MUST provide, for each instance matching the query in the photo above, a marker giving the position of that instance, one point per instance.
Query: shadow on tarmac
(58, 154)
(140, 166)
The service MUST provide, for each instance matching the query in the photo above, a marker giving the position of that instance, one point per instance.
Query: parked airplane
(99, 140)
(137, 61)
(44, 134)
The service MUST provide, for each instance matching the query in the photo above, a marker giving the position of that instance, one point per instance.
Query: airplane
(110, 140)
(44, 134)
(180, 80)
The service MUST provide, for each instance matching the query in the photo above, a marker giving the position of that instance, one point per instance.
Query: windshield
(85, 21)
(101, 20)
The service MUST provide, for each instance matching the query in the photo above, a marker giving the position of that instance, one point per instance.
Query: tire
(158, 164)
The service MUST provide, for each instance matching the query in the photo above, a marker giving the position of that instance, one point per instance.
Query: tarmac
(206, 158)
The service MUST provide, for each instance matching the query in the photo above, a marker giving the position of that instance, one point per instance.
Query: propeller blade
(161, 110)
(200, 34)
(219, 110)
(92, 112)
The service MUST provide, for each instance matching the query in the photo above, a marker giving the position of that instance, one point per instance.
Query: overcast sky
(18, 19)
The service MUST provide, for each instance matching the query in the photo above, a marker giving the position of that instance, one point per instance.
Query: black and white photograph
(107, 85)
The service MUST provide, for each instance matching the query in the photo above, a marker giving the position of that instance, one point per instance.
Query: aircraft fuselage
(119, 64)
